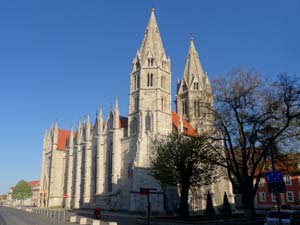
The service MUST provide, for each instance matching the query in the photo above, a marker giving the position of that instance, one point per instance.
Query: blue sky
(61, 59)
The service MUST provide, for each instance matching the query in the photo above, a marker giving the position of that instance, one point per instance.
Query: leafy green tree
(22, 191)
(182, 161)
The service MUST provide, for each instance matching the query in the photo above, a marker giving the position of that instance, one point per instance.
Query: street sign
(65, 196)
(275, 182)
(274, 177)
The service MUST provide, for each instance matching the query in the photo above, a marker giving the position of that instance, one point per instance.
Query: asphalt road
(12, 216)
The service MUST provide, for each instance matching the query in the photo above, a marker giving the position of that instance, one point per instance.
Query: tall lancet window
(162, 104)
(184, 107)
(133, 126)
(149, 80)
(138, 81)
(110, 167)
(148, 121)
(134, 82)
(195, 108)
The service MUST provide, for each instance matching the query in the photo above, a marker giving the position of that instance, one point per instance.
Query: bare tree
(249, 117)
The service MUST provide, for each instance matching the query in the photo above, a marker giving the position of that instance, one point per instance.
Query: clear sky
(62, 59)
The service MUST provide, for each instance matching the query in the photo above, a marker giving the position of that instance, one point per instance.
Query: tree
(251, 117)
(183, 161)
(22, 191)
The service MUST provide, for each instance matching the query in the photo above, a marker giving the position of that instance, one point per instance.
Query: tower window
(196, 86)
(150, 62)
(136, 104)
(137, 65)
(149, 80)
(134, 82)
(162, 103)
(148, 121)
(138, 81)
(184, 107)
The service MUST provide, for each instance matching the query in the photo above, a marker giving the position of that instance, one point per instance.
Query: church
(106, 163)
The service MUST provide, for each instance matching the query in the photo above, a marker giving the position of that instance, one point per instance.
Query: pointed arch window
(150, 62)
(148, 121)
(195, 108)
(137, 65)
(136, 104)
(149, 79)
(134, 82)
(184, 107)
(138, 81)
(162, 103)
(196, 86)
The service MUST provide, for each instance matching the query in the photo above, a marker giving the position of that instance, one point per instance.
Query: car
(288, 217)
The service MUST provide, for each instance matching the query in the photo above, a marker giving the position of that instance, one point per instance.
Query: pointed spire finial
(191, 37)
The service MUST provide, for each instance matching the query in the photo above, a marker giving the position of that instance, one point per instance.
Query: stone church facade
(105, 163)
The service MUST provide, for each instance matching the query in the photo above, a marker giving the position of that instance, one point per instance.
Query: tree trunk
(248, 202)
(184, 205)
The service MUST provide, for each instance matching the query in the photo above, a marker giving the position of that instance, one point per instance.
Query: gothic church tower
(150, 93)
(194, 92)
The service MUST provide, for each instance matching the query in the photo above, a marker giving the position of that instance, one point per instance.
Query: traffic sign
(274, 177)
(65, 196)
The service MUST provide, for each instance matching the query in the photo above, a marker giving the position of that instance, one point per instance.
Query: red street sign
(66, 196)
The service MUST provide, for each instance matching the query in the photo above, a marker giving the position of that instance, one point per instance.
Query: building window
(184, 107)
(288, 180)
(148, 121)
(149, 80)
(273, 197)
(134, 82)
(162, 103)
(150, 62)
(261, 182)
(136, 104)
(138, 81)
(290, 196)
(196, 86)
(137, 65)
(262, 196)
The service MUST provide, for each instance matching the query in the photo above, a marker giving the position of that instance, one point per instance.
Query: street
(12, 216)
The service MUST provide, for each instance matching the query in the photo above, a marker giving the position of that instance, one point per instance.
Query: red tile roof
(62, 139)
(33, 183)
(188, 129)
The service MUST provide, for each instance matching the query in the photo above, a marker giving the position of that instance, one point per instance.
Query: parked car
(288, 217)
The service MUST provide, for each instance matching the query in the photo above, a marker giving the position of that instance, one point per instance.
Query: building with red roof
(105, 163)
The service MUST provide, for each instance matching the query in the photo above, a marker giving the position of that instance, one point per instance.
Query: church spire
(193, 71)
(152, 44)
